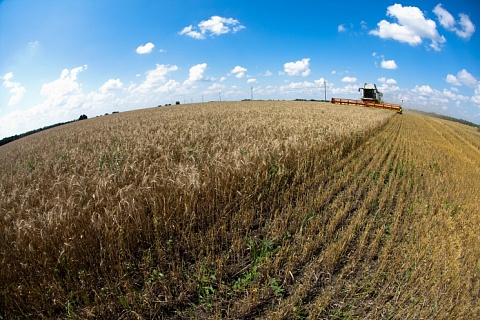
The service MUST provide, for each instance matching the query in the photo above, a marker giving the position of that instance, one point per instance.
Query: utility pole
(325, 87)
(220, 96)
(251, 93)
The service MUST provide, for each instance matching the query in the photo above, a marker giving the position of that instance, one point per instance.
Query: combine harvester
(371, 97)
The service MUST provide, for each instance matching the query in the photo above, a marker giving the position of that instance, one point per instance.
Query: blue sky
(60, 59)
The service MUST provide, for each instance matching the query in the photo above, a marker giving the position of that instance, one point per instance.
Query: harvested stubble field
(242, 210)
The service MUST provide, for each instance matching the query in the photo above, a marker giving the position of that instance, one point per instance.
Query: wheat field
(242, 210)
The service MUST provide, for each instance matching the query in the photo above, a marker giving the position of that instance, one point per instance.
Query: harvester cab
(370, 93)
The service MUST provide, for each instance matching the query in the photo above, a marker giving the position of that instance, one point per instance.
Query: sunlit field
(243, 210)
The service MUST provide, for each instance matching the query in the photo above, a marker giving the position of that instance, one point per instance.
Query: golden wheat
(240, 210)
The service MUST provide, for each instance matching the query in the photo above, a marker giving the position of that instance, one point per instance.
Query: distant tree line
(312, 100)
(436, 115)
(18, 136)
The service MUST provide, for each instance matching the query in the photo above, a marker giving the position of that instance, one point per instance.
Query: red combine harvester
(371, 97)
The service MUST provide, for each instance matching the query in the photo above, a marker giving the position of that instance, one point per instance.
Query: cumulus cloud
(156, 79)
(349, 79)
(188, 31)
(214, 26)
(455, 97)
(388, 88)
(298, 68)
(238, 71)
(107, 93)
(463, 77)
(444, 17)
(305, 87)
(388, 64)
(252, 80)
(452, 80)
(110, 86)
(196, 73)
(423, 90)
(466, 29)
(387, 81)
(63, 99)
(349, 89)
(146, 48)
(466, 78)
(341, 28)
(66, 91)
(412, 27)
(476, 97)
(216, 87)
(16, 90)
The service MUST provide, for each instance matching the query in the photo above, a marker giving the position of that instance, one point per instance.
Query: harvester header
(370, 97)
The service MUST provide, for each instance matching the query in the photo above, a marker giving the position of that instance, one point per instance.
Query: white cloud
(388, 88)
(313, 89)
(15, 89)
(156, 78)
(452, 80)
(191, 33)
(65, 91)
(218, 25)
(388, 64)
(250, 81)
(476, 97)
(146, 48)
(466, 78)
(349, 79)
(238, 71)
(467, 28)
(463, 77)
(411, 28)
(387, 81)
(298, 68)
(196, 73)
(348, 89)
(64, 100)
(111, 85)
(341, 28)
(444, 17)
(214, 26)
(216, 87)
(268, 73)
(455, 97)
(423, 90)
